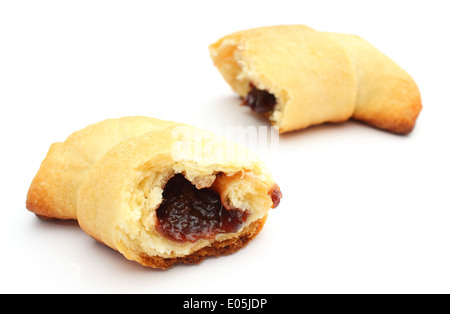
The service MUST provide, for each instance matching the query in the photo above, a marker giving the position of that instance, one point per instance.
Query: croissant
(298, 77)
(157, 191)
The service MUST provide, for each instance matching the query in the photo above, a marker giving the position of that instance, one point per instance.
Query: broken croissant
(157, 191)
(298, 77)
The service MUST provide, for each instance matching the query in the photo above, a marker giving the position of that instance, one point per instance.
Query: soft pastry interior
(298, 77)
(174, 194)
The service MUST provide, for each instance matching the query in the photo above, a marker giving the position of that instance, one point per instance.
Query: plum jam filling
(260, 101)
(188, 214)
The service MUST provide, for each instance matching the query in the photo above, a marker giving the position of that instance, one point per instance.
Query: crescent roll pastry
(298, 77)
(53, 192)
(159, 192)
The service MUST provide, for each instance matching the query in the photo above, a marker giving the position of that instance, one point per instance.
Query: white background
(364, 211)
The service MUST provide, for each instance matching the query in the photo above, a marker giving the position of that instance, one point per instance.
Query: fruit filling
(260, 101)
(187, 214)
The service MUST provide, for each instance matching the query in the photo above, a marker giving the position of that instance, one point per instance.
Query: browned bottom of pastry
(216, 249)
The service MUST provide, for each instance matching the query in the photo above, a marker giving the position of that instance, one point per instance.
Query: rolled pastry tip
(298, 77)
(159, 192)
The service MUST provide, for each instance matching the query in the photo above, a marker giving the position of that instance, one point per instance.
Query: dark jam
(189, 214)
(260, 101)
(275, 194)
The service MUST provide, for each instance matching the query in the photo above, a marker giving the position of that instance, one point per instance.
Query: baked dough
(111, 177)
(53, 192)
(318, 77)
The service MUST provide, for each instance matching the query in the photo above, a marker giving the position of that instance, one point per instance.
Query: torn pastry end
(298, 77)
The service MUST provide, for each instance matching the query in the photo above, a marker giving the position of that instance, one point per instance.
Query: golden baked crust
(318, 77)
(115, 195)
(53, 192)
(388, 98)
